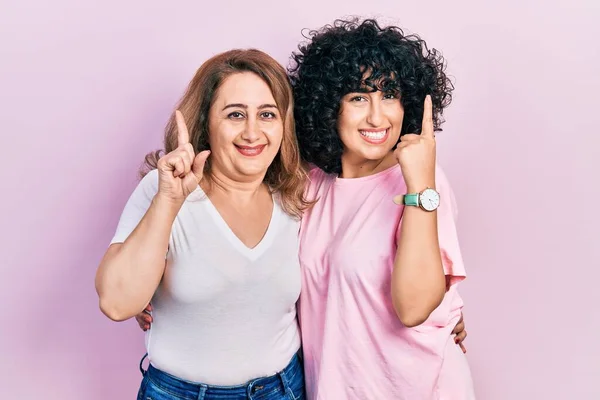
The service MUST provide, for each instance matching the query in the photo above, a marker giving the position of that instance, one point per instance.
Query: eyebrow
(245, 107)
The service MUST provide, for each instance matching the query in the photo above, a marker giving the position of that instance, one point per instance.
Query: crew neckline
(348, 181)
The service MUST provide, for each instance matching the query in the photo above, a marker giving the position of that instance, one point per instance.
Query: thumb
(399, 199)
(198, 165)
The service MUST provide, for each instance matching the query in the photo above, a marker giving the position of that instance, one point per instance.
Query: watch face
(429, 199)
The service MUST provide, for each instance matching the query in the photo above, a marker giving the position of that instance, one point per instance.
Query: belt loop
(142, 370)
(285, 382)
(249, 389)
(202, 392)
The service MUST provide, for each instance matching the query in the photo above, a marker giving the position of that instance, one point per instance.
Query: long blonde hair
(286, 175)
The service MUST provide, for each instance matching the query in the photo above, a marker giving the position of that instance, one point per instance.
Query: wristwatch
(428, 199)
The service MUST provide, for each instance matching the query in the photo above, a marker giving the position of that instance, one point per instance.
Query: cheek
(348, 124)
(220, 136)
(347, 117)
(275, 135)
(397, 123)
(400, 118)
(347, 130)
(396, 115)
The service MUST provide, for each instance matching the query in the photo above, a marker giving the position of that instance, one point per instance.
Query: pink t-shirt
(355, 346)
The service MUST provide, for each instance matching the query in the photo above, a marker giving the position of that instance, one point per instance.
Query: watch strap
(411, 199)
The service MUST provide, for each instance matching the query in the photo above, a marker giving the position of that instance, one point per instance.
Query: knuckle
(170, 158)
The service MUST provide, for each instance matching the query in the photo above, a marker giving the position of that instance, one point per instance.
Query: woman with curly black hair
(379, 251)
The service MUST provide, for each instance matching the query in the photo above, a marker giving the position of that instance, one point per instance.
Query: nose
(251, 131)
(375, 117)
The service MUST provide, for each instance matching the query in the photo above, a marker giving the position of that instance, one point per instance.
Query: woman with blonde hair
(213, 242)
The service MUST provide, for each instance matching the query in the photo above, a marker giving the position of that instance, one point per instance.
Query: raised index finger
(183, 136)
(427, 125)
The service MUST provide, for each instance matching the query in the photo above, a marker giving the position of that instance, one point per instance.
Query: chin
(253, 169)
(374, 154)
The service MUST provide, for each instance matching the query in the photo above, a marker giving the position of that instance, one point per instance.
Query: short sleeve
(136, 206)
(315, 174)
(448, 237)
(316, 178)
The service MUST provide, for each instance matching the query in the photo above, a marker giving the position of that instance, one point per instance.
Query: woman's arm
(130, 272)
(418, 281)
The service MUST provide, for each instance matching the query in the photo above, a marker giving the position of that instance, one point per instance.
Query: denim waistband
(194, 390)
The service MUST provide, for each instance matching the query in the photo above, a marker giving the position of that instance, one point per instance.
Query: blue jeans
(285, 385)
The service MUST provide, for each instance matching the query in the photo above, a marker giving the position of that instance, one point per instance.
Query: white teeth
(374, 135)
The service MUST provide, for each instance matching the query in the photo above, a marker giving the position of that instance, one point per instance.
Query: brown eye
(235, 115)
(268, 115)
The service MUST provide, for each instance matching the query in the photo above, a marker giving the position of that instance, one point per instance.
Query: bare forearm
(418, 281)
(130, 273)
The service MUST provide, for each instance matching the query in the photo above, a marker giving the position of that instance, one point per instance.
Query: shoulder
(136, 206)
(150, 180)
(318, 180)
(147, 188)
(317, 176)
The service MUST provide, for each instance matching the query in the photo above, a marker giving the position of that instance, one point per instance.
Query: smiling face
(369, 125)
(245, 127)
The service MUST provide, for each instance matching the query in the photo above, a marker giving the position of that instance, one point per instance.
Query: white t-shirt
(223, 313)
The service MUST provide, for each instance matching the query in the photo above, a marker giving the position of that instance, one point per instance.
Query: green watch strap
(411, 199)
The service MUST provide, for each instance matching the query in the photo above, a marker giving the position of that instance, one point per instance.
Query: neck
(241, 191)
(359, 168)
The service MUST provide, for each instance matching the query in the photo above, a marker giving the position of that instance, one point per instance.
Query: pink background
(85, 90)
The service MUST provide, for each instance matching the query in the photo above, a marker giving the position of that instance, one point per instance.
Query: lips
(374, 136)
(250, 151)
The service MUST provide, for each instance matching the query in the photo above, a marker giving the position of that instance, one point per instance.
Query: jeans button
(256, 388)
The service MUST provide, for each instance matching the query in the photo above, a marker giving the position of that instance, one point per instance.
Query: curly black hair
(333, 63)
